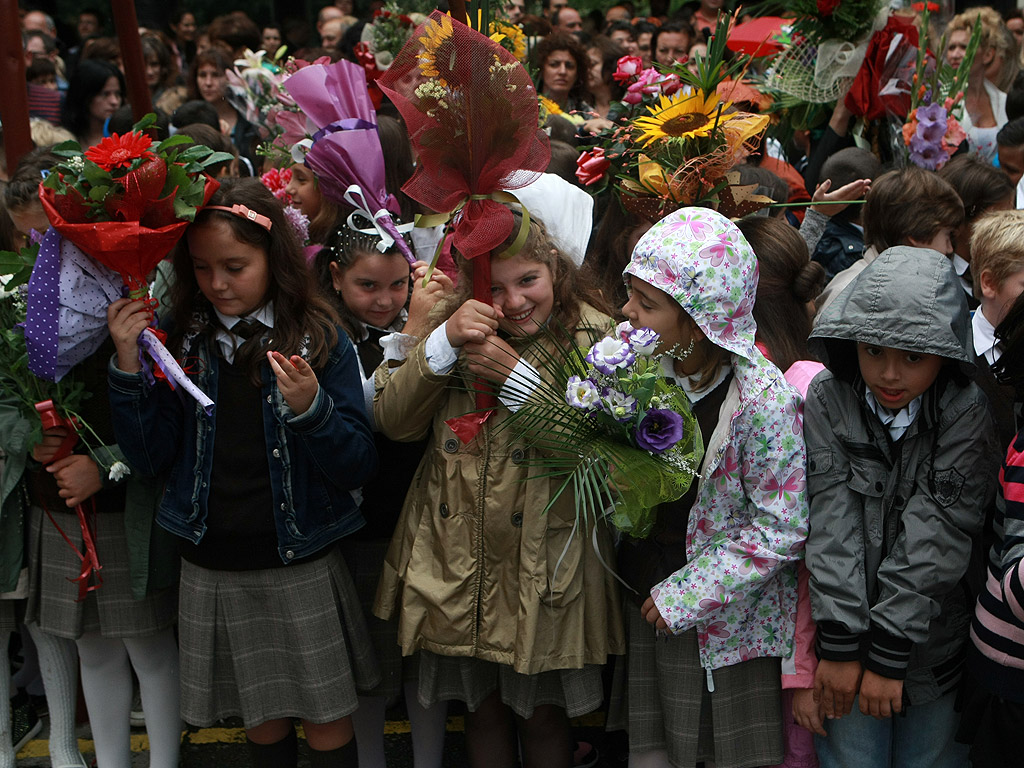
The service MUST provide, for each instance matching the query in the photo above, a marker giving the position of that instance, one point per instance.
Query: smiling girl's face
(304, 191)
(524, 292)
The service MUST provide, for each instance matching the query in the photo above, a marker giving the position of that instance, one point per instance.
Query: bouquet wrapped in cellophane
(607, 420)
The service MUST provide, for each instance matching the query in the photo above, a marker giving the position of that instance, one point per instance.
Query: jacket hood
(701, 259)
(907, 298)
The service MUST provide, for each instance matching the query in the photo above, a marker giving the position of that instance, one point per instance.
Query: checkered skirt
(471, 680)
(272, 643)
(660, 696)
(111, 610)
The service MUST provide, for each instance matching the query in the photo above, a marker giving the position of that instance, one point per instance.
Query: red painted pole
(13, 93)
(127, 26)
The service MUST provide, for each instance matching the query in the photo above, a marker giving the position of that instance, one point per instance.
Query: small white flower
(118, 471)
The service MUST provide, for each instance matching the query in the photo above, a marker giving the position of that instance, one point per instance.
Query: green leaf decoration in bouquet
(608, 423)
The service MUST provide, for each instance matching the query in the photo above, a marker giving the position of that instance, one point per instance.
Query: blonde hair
(997, 246)
(46, 134)
(991, 28)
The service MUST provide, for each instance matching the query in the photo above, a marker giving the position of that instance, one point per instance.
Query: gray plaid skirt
(660, 696)
(8, 623)
(111, 610)
(272, 643)
(365, 561)
(471, 680)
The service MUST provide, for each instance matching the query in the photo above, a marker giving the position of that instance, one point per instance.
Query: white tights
(427, 724)
(59, 669)
(107, 664)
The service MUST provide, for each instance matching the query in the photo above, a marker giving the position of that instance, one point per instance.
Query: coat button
(277, 453)
(813, 465)
(270, 399)
(517, 519)
(443, 510)
(290, 555)
(879, 486)
(518, 455)
(899, 501)
(451, 445)
(284, 507)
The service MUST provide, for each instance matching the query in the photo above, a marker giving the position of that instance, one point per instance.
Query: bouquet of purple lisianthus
(612, 424)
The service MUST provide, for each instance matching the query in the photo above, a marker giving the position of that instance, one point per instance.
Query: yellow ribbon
(427, 220)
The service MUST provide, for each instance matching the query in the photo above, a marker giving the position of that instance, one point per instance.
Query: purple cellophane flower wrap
(346, 151)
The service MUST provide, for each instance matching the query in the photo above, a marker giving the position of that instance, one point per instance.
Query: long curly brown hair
(303, 318)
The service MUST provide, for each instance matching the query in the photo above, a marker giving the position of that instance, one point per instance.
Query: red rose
(591, 166)
(828, 7)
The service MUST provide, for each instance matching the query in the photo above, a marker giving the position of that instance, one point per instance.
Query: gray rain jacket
(891, 522)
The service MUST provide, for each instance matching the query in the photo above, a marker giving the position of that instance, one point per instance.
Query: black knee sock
(280, 754)
(342, 757)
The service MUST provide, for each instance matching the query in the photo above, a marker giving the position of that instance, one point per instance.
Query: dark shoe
(24, 723)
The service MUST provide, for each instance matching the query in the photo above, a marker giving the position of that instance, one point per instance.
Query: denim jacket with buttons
(315, 458)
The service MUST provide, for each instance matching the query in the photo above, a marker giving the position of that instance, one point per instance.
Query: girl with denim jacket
(270, 626)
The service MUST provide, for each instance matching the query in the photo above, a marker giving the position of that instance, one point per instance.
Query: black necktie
(248, 331)
(370, 353)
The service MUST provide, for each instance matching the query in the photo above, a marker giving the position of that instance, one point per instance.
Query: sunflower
(680, 117)
(509, 37)
(435, 35)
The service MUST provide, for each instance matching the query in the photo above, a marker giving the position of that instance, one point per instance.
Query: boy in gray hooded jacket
(899, 471)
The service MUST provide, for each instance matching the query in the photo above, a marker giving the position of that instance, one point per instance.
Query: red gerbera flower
(120, 151)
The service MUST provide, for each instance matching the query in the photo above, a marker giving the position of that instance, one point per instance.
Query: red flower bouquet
(126, 202)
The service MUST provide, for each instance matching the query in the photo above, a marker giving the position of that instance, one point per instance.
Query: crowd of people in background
(842, 585)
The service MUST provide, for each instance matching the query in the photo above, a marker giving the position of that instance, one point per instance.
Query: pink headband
(246, 213)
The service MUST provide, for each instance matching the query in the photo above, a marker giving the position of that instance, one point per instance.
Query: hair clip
(245, 212)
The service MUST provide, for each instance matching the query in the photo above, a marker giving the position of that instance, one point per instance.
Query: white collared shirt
(896, 422)
(229, 342)
(960, 267)
(686, 383)
(984, 338)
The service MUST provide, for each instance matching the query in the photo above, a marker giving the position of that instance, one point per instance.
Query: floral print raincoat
(746, 531)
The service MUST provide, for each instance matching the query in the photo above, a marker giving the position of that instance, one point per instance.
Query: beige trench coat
(472, 564)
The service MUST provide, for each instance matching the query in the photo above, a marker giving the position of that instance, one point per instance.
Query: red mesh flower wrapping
(471, 110)
(143, 232)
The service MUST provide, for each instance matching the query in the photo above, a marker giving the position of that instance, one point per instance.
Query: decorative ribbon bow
(382, 224)
(458, 222)
(86, 519)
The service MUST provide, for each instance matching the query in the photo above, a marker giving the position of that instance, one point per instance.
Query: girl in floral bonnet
(715, 582)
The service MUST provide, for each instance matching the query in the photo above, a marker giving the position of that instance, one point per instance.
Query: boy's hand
(126, 320)
(835, 686)
(424, 297)
(78, 478)
(295, 379)
(473, 321)
(649, 610)
(492, 359)
(45, 451)
(880, 696)
(855, 190)
(807, 712)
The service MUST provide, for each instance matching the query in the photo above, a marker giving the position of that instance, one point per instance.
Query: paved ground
(225, 747)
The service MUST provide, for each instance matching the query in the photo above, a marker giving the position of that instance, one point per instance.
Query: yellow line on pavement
(140, 742)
